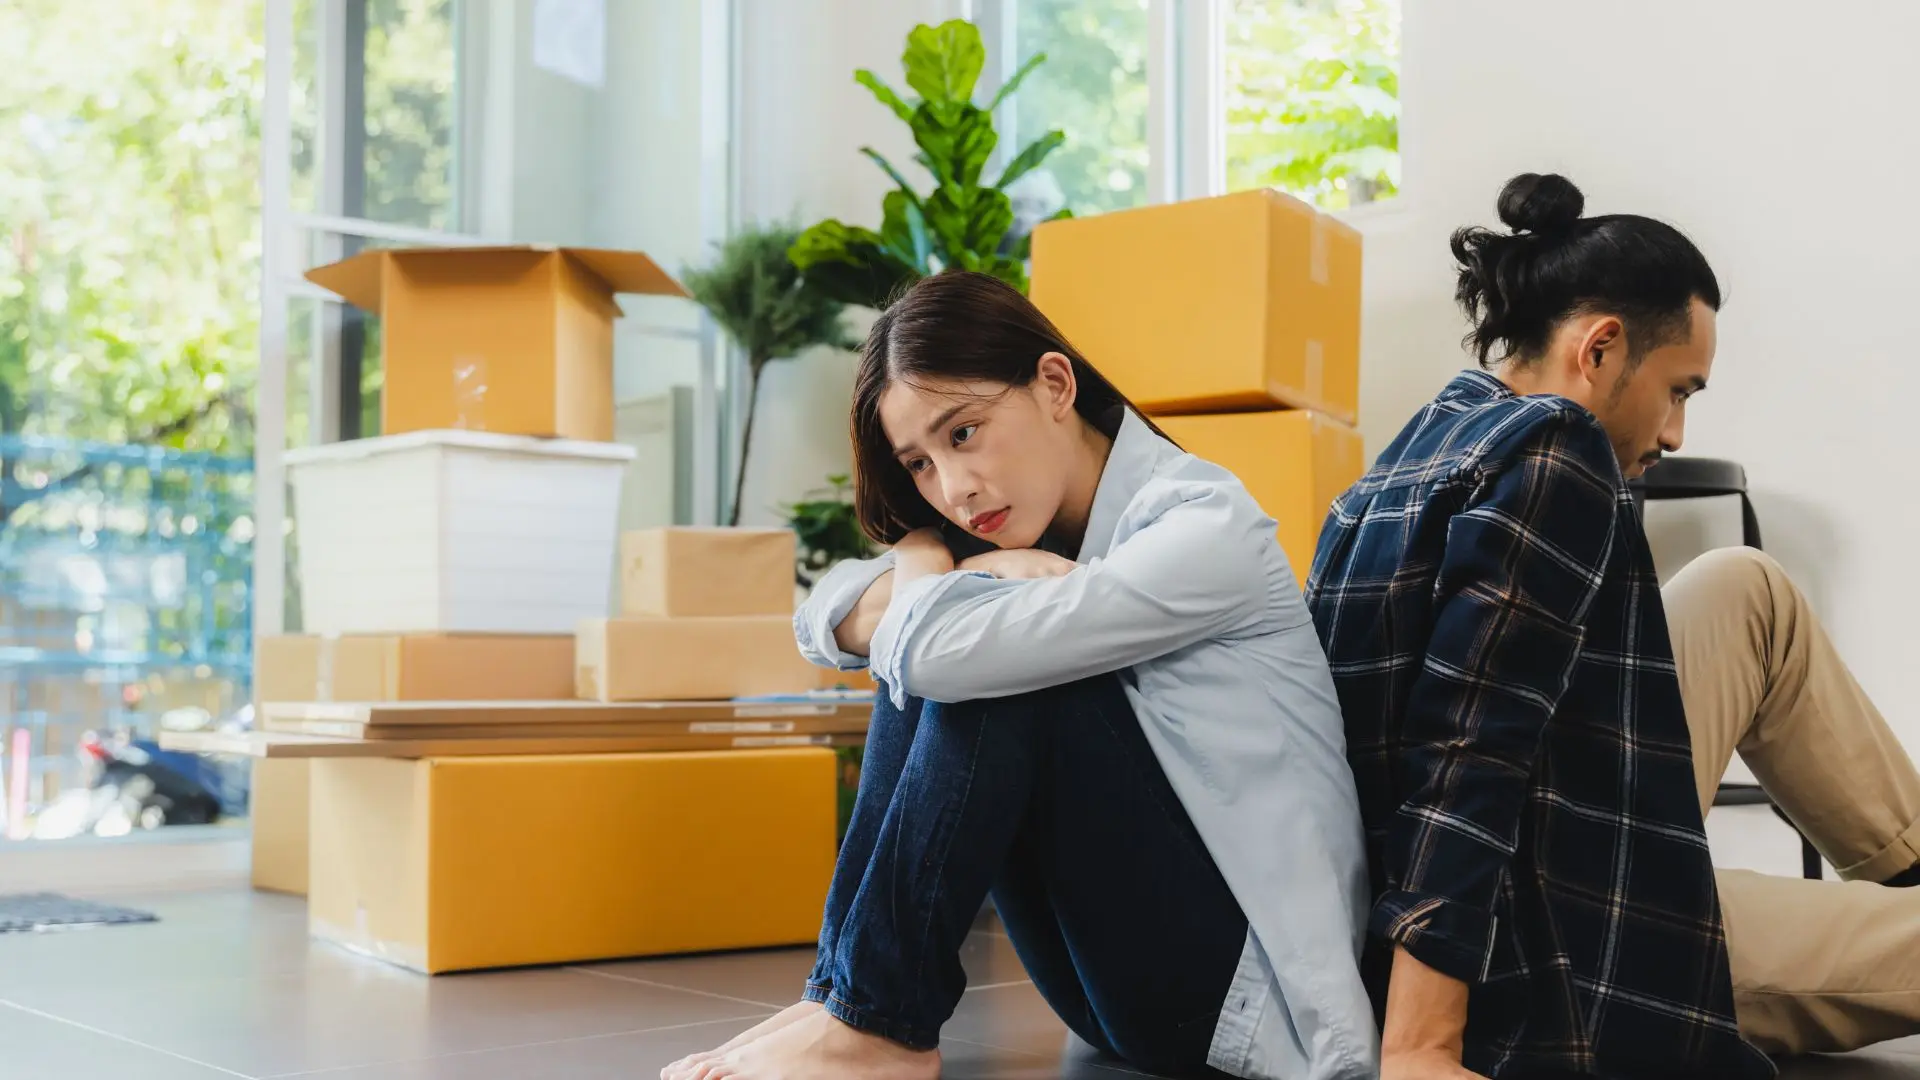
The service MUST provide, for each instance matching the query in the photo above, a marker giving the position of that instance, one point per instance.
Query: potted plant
(757, 295)
(961, 222)
(826, 529)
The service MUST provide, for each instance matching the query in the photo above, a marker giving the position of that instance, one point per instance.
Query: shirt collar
(1475, 385)
(1136, 455)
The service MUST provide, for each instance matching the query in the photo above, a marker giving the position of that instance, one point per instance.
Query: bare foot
(822, 1048)
(689, 1067)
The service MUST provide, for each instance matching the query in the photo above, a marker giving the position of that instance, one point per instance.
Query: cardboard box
(456, 864)
(692, 659)
(414, 667)
(427, 667)
(517, 340)
(1240, 302)
(707, 572)
(1294, 464)
(278, 816)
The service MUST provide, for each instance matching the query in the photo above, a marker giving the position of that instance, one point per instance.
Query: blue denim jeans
(1054, 802)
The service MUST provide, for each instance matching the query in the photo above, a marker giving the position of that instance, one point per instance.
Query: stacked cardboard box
(464, 809)
(1235, 322)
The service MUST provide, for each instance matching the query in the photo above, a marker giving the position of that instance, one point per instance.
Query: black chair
(1698, 478)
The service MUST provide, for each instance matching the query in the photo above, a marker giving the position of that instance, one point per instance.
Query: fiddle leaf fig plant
(961, 222)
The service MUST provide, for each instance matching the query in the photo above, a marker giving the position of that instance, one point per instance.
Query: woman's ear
(1054, 380)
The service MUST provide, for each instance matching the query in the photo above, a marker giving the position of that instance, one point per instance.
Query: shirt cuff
(896, 630)
(828, 605)
(1452, 938)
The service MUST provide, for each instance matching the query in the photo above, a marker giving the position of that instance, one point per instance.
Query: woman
(1109, 710)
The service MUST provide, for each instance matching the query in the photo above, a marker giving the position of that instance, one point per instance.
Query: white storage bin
(456, 532)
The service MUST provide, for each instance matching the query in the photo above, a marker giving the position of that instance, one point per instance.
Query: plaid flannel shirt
(1488, 603)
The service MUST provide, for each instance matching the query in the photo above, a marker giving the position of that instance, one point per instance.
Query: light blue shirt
(1181, 584)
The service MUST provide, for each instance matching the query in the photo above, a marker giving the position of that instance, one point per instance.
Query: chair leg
(1810, 861)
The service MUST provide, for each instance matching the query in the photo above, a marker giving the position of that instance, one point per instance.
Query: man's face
(1645, 411)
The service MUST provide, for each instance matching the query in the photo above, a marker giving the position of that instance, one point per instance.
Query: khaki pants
(1817, 965)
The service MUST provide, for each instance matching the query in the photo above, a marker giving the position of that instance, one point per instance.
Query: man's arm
(1522, 564)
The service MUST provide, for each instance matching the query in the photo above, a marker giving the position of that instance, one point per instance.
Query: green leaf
(1031, 157)
(1010, 270)
(851, 264)
(956, 142)
(944, 62)
(988, 219)
(1007, 88)
(755, 292)
(884, 93)
(904, 227)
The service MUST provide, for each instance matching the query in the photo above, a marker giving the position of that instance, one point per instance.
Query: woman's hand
(920, 553)
(1020, 564)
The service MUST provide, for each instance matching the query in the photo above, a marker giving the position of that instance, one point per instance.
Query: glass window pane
(1093, 87)
(1313, 98)
(395, 122)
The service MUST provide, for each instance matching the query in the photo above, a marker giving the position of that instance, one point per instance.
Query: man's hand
(1020, 564)
(1424, 1065)
(1426, 1023)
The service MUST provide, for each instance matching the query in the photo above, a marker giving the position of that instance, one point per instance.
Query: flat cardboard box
(516, 339)
(414, 667)
(1239, 302)
(1293, 463)
(683, 571)
(294, 746)
(453, 864)
(692, 659)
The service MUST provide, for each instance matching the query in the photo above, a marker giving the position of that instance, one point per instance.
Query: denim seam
(859, 1019)
(952, 827)
(1159, 804)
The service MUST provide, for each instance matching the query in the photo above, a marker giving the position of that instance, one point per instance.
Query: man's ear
(1055, 379)
(1603, 350)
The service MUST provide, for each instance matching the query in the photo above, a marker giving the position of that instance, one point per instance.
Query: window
(1093, 87)
(1313, 98)
(1178, 99)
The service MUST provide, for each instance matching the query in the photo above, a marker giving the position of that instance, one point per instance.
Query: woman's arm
(835, 625)
(1197, 569)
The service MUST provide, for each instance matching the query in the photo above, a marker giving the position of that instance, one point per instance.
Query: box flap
(356, 279)
(627, 271)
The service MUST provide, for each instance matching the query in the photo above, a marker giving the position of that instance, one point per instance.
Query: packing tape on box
(1316, 373)
(323, 668)
(1320, 251)
(470, 393)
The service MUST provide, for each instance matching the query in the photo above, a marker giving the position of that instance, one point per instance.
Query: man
(1537, 727)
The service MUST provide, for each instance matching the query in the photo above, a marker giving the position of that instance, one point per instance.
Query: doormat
(51, 911)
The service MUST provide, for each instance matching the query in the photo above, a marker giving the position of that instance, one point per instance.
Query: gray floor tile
(196, 937)
(34, 1047)
(341, 1010)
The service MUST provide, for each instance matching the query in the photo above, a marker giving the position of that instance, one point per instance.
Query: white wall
(802, 122)
(1773, 134)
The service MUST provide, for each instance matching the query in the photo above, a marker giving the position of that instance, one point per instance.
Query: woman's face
(991, 458)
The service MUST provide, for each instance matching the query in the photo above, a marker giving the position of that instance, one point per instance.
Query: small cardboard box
(452, 864)
(1294, 464)
(1239, 302)
(516, 340)
(428, 667)
(684, 571)
(414, 667)
(692, 659)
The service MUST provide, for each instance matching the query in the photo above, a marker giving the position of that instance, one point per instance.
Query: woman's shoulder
(1204, 501)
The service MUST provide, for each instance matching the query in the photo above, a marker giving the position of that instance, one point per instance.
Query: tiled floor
(228, 985)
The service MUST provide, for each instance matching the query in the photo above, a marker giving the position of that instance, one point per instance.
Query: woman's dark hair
(961, 326)
(1517, 287)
